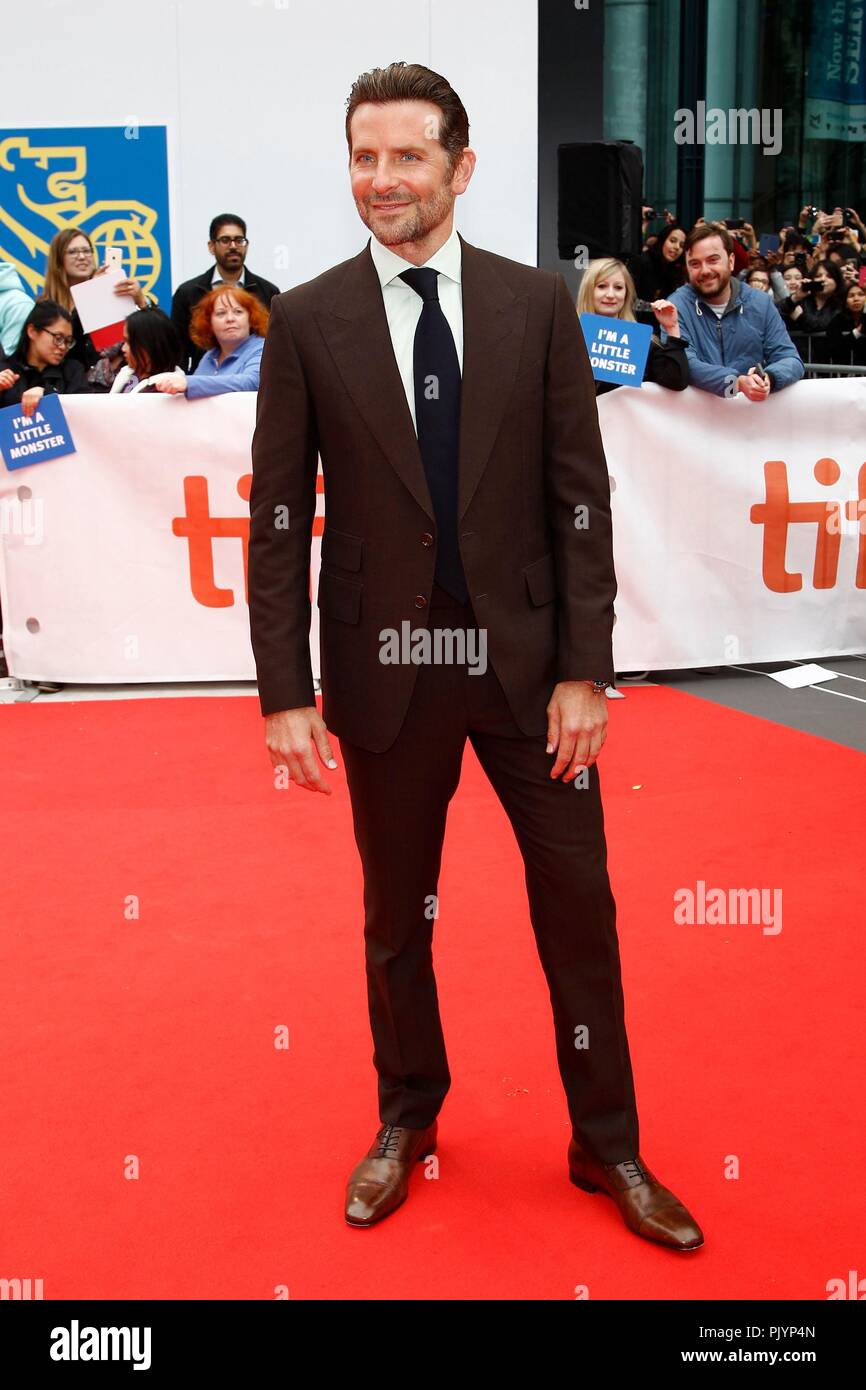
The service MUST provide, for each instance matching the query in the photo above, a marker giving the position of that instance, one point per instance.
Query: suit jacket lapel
(355, 329)
(494, 323)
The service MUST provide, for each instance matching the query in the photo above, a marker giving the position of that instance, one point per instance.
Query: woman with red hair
(231, 323)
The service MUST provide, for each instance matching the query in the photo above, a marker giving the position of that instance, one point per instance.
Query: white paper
(97, 304)
(796, 676)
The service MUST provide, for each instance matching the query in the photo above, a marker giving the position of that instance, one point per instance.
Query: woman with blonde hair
(607, 288)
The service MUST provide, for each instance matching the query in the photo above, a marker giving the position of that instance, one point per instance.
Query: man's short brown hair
(707, 229)
(412, 82)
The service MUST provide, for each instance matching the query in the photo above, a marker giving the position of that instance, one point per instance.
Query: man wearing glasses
(228, 245)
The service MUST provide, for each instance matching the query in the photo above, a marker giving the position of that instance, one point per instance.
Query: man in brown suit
(467, 511)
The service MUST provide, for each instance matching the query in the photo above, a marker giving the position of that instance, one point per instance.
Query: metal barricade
(826, 369)
(815, 349)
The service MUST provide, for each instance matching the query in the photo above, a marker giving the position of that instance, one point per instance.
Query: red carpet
(155, 1037)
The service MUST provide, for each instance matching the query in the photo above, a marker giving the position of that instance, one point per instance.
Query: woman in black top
(847, 332)
(607, 288)
(41, 364)
(661, 269)
(816, 312)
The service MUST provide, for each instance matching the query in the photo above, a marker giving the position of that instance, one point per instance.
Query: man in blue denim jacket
(738, 341)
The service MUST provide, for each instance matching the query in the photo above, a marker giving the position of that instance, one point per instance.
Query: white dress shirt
(217, 279)
(403, 305)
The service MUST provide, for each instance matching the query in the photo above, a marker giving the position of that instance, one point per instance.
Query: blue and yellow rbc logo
(111, 181)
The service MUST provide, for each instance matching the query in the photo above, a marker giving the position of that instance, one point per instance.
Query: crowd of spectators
(734, 316)
(211, 343)
(731, 312)
(737, 315)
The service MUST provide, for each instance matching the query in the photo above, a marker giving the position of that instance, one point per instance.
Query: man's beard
(414, 223)
(719, 288)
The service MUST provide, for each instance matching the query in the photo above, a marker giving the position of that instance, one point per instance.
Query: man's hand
(753, 386)
(576, 727)
(291, 736)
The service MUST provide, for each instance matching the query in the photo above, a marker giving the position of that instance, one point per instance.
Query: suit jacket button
(427, 539)
(420, 601)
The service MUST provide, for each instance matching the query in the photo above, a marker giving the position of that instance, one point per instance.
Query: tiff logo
(778, 512)
(199, 528)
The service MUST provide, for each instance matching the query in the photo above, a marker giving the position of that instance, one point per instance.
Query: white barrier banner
(739, 526)
(125, 562)
(736, 530)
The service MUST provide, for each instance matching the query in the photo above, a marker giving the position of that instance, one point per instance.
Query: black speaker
(599, 199)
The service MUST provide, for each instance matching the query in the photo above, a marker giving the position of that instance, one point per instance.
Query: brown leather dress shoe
(380, 1182)
(646, 1207)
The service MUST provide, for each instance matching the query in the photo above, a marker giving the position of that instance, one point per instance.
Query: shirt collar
(246, 346)
(447, 260)
(216, 278)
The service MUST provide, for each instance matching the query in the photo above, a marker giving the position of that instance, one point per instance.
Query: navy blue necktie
(437, 417)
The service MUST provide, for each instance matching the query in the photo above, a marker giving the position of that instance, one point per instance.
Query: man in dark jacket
(228, 245)
(449, 393)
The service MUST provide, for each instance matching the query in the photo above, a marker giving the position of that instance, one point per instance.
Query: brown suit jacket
(534, 497)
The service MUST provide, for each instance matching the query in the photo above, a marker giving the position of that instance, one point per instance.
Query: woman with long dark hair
(815, 314)
(661, 269)
(847, 333)
(42, 363)
(150, 345)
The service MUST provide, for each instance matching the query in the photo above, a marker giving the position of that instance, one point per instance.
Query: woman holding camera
(813, 309)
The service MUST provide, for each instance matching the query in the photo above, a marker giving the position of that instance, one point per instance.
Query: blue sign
(111, 181)
(36, 438)
(618, 349)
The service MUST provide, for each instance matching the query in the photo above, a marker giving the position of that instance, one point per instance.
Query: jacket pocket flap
(339, 548)
(541, 580)
(339, 598)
